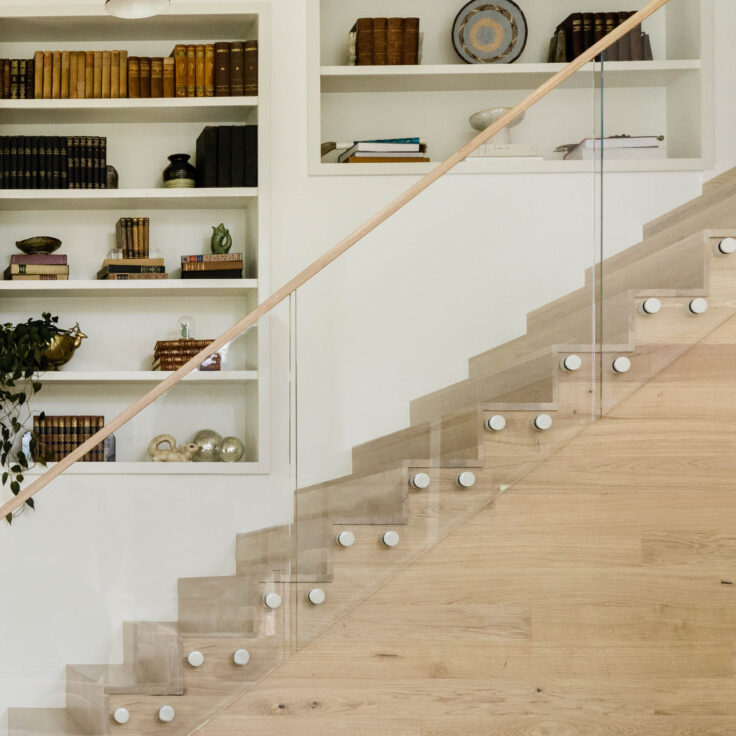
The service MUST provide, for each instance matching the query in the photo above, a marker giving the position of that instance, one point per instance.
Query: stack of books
(170, 355)
(132, 269)
(39, 267)
(384, 41)
(222, 69)
(132, 236)
(618, 147)
(58, 436)
(579, 31)
(53, 162)
(388, 150)
(17, 79)
(227, 156)
(212, 266)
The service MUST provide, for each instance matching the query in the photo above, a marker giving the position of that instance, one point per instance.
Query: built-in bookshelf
(671, 95)
(123, 320)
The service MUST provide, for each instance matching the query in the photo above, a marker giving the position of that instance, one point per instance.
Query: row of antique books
(212, 266)
(384, 41)
(57, 436)
(16, 79)
(53, 162)
(132, 236)
(170, 355)
(579, 31)
(227, 156)
(132, 269)
(38, 267)
(221, 70)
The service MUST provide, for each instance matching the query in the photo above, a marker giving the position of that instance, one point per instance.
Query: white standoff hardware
(621, 365)
(572, 363)
(496, 423)
(420, 481)
(466, 479)
(241, 657)
(166, 713)
(543, 422)
(651, 305)
(272, 600)
(316, 596)
(699, 305)
(195, 658)
(390, 539)
(345, 539)
(727, 246)
(121, 716)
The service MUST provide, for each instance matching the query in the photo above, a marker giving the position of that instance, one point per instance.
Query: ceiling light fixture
(135, 8)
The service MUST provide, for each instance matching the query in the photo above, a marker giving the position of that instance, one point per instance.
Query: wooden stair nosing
(43, 722)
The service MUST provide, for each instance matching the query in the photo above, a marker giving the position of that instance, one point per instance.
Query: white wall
(451, 275)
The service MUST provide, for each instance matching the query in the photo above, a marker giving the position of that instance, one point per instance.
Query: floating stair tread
(42, 722)
(118, 678)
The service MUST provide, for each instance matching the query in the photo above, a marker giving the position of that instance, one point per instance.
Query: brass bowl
(61, 349)
(41, 244)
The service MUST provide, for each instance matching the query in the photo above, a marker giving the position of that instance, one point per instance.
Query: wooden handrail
(335, 252)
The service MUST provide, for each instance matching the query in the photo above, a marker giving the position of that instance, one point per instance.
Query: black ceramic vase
(180, 173)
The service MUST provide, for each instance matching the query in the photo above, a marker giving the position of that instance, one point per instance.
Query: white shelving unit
(124, 319)
(671, 95)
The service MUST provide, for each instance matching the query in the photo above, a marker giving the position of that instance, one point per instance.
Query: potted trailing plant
(22, 356)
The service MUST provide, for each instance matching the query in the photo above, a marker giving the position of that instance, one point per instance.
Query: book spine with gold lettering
(180, 64)
(97, 56)
(199, 70)
(114, 74)
(123, 81)
(157, 77)
(237, 69)
(89, 74)
(251, 67)
(169, 76)
(134, 77)
(191, 70)
(145, 64)
(222, 69)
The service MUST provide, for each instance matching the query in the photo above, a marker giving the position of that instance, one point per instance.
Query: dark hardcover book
(95, 164)
(38, 259)
(22, 78)
(363, 30)
(2, 162)
(30, 79)
(134, 76)
(380, 41)
(34, 163)
(14, 79)
(55, 143)
(611, 53)
(224, 155)
(231, 274)
(13, 162)
(63, 163)
(588, 30)
(237, 169)
(395, 46)
(112, 268)
(222, 69)
(84, 159)
(157, 77)
(102, 173)
(410, 41)
(43, 177)
(145, 71)
(624, 44)
(599, 29)
(6, 78)
(237, 68)
(637, 48)
(251, 68)
(74, 164)
(250, 146)
(27, 162)
(646, 44)
(206, 164)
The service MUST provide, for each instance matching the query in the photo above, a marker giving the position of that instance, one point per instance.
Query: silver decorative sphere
(231, 450)
(208, 445)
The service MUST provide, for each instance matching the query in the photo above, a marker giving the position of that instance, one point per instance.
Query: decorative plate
(490, 32)
(40, 244)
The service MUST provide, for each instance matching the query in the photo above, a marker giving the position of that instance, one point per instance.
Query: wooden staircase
(677, 261)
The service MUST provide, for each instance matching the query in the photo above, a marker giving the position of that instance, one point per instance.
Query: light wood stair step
(43, 722)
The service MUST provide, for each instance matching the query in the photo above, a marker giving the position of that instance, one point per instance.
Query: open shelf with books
(435, 98)
(123, 319)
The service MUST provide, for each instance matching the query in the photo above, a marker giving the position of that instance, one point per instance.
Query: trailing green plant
(22, 347)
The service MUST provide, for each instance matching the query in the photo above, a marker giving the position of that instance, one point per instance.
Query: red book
(39, 259)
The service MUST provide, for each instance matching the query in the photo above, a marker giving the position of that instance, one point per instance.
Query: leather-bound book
(237, 69)
(54, 153)
(115, 74)
(363, 29)
(395, 52)
(145, 65)
(106, 74)
(89, 74)
(42, 164)
(224, 155)
(73, 89)
(123, 83)
(56, 76)
(222, 69)
(30, 79)
(34, 163)
(251, 67)
(97, 94)
(410, 47)
(611, 53)
(588, 30)
(624, 44)
(169, 66)
(250, 146)
(22, 66)
(134, 76)
(199, 70)
(157, 77)
(646, 46)
(63, 163)
(38, 75)
(102, 174)
(380, 41)
(73, 168)
(180, 60)
(95, 164)
(6, 79)
(65, 75)
(191, 70)
(209, 70)
(637, 47)
(81, 91)
(27, 162)
(206, 159)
